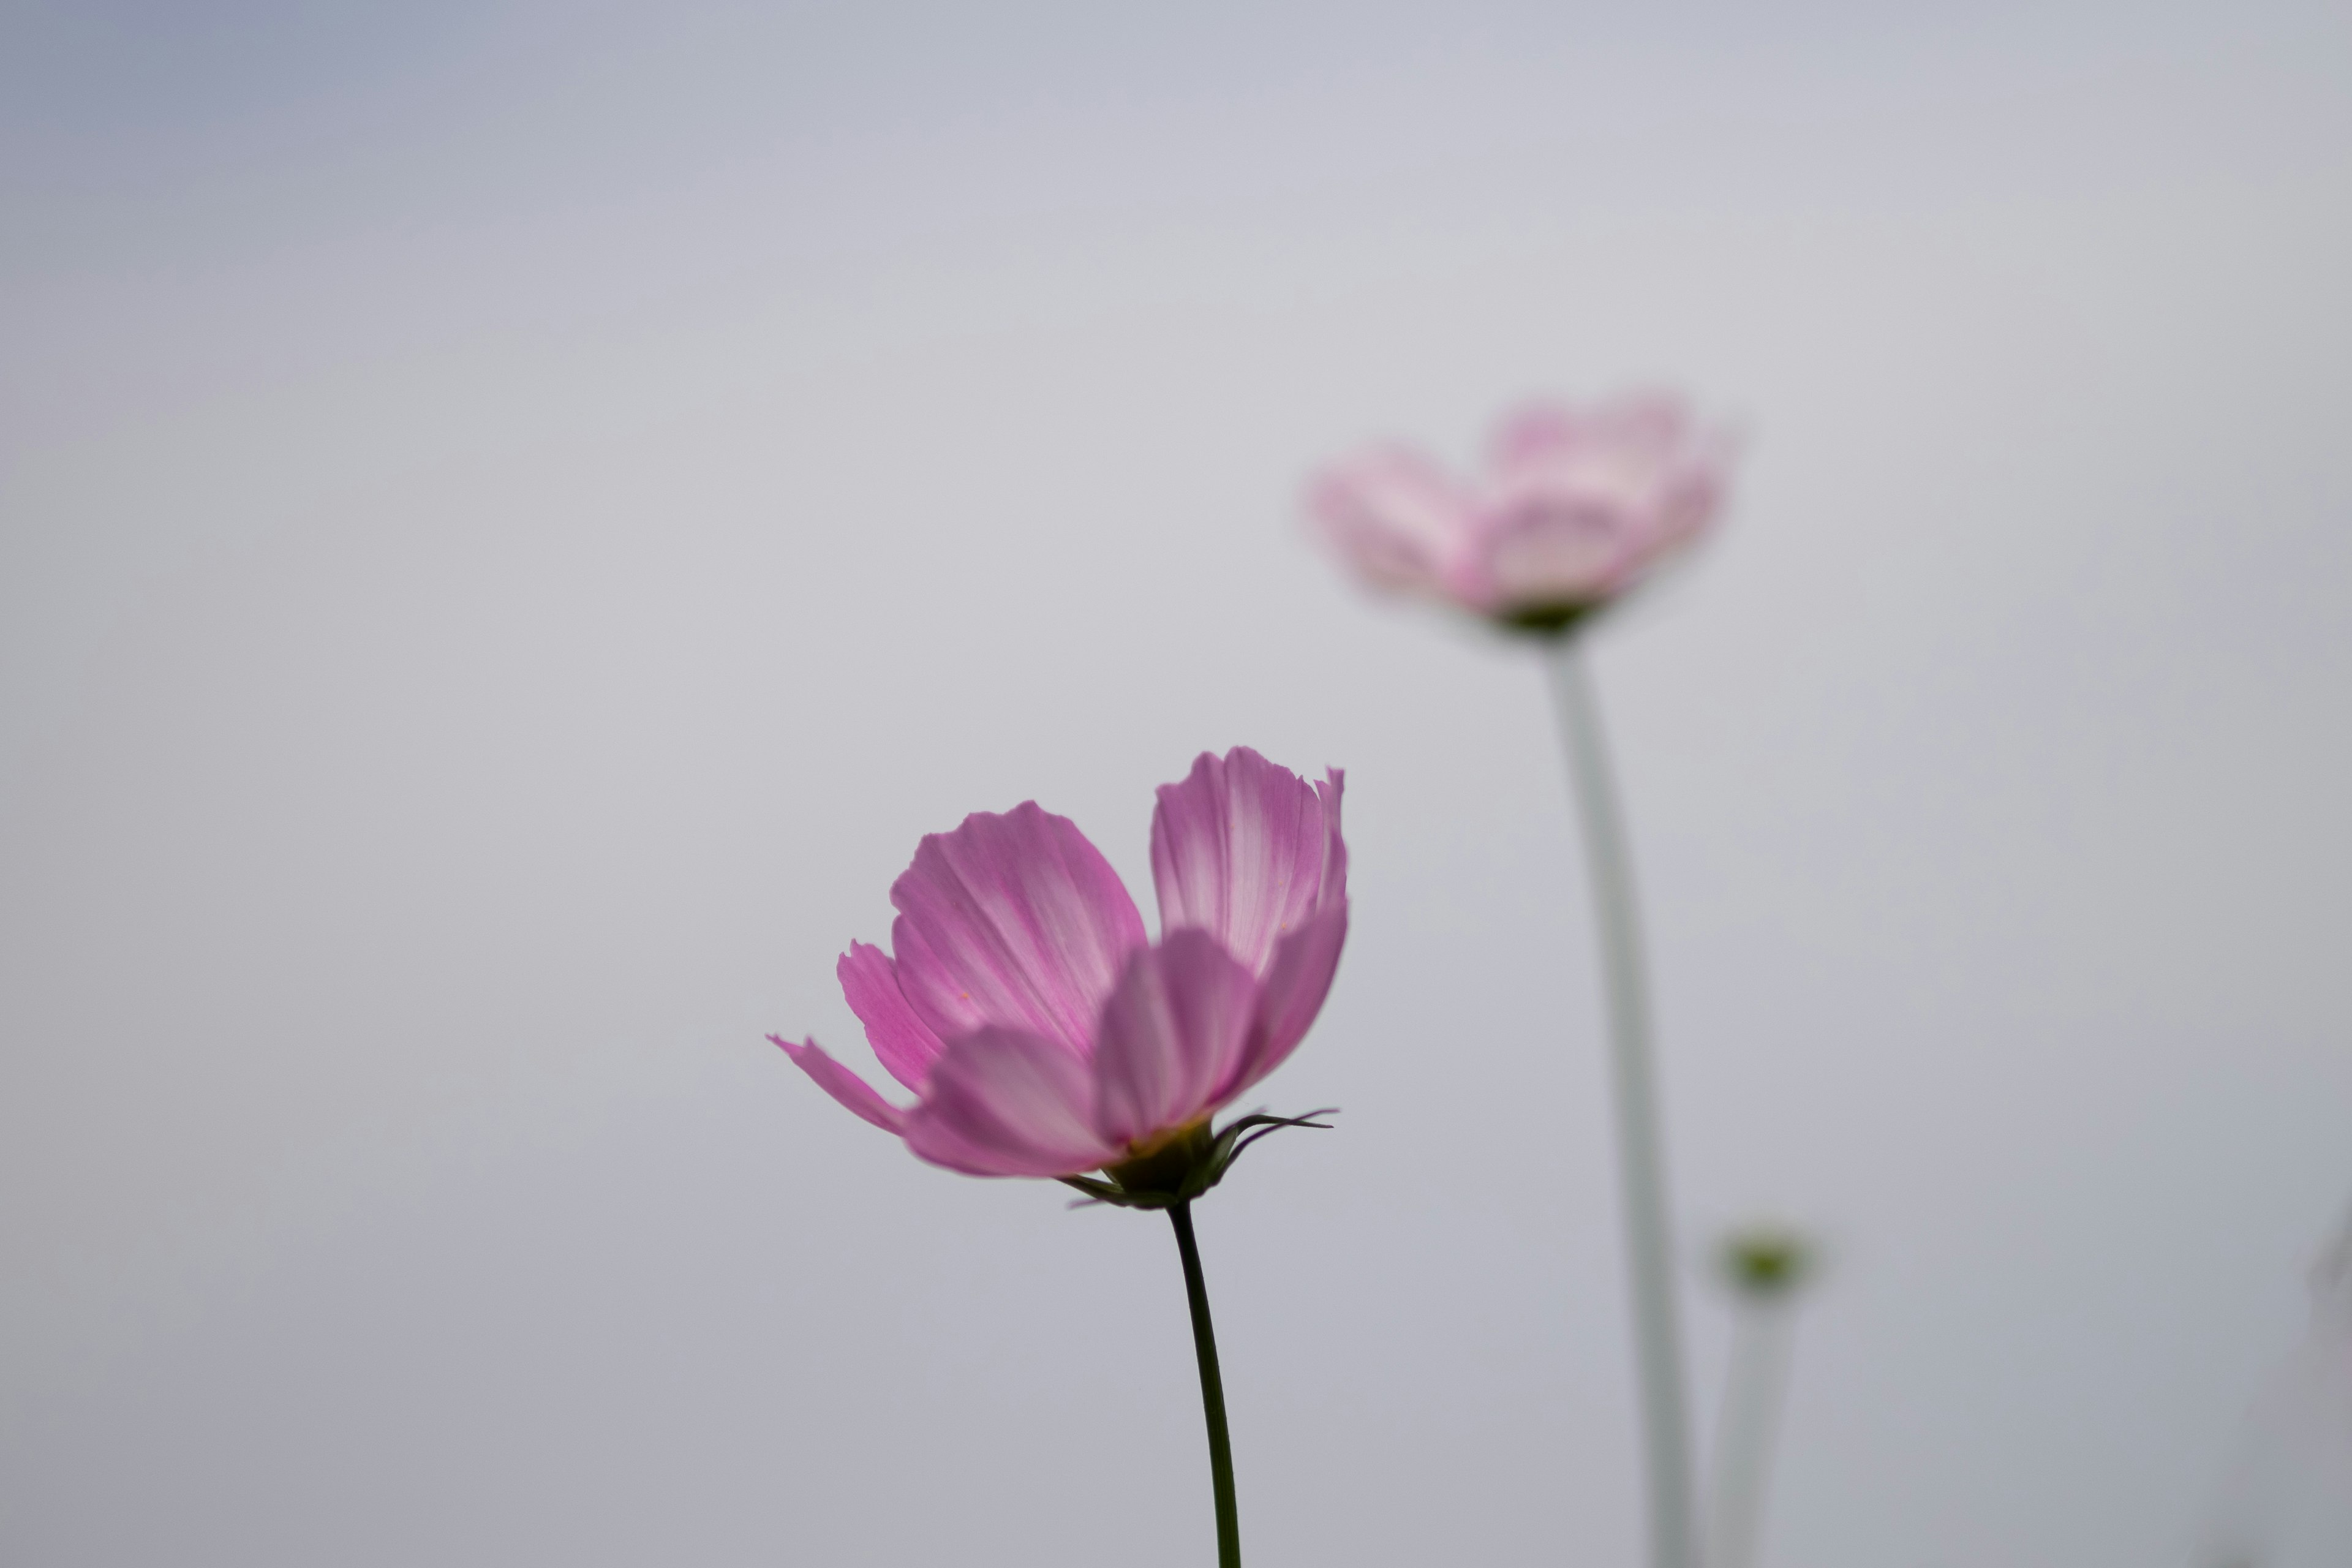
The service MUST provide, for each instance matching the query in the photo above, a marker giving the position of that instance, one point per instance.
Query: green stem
(1213, 1391)
(1753, 1387)
(1640, 1137)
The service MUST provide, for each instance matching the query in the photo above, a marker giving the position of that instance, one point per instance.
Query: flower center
(1159, 1163)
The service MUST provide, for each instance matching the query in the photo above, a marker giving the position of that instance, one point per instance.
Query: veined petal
(1171, 1033)
(843, 1085)
(1001, 1103)
(1245, 850)
(1014, 921)
(1333, 890)
(906, 1045)
(1290, 997)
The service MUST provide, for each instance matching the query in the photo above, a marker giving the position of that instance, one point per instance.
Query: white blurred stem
(1641, 1150)
(1763, 1337)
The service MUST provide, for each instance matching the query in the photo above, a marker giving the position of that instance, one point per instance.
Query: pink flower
(1577, 506)
(1043, 1035)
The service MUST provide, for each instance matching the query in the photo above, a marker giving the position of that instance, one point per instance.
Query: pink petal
(907, 1046)
(843, 1085)
(1690, 501)
(1290, 997)
(1005, 1103)
(1014, 921)
(1172, 1032)
(1394, 517)
(1334, 889)
(1564, 548)
(1585, 501)
(1649, 426)
(1534, 434)
(1244, 850)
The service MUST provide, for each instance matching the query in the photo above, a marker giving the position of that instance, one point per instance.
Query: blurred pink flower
(1577, 505)
(1041, 1033)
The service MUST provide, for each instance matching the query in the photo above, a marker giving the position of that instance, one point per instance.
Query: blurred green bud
(1766, 1262)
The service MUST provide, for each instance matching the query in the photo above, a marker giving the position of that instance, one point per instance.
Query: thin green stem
(1213, 1391)
(1753, 1388)
(1640, 1138)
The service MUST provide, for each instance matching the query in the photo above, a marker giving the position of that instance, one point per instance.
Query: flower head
(1044, 1035)
(1577, 505)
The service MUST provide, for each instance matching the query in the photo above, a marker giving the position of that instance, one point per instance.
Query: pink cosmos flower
(1042, 1034)
(1577, 505)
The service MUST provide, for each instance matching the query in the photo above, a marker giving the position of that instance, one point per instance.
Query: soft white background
(513, 519)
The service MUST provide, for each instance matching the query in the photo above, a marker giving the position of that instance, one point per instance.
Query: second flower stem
(1753, 1387)
(1213, 1391)
(1641, 1137)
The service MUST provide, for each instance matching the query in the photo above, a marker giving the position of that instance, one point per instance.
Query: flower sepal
(1187, 1165)
(1548, 621)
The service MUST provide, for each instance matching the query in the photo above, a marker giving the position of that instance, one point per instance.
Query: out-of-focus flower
(1577, 506)
(1041, 1031)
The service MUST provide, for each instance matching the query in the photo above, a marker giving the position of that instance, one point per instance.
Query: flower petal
(843, 1085)
(1645, 430)
(1001, 1103)
(906, 1045)
(1564, 548)
(1171, 1033)
(1290, 997)
(1246, 849)
(1397, 519)
(1583, 502)
(1334, 888)
(1015, 922)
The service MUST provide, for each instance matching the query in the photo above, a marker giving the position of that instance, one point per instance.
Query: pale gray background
(516, 518)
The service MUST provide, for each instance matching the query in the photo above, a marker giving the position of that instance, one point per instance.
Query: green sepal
(1549, 622)
(1187, 1168)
